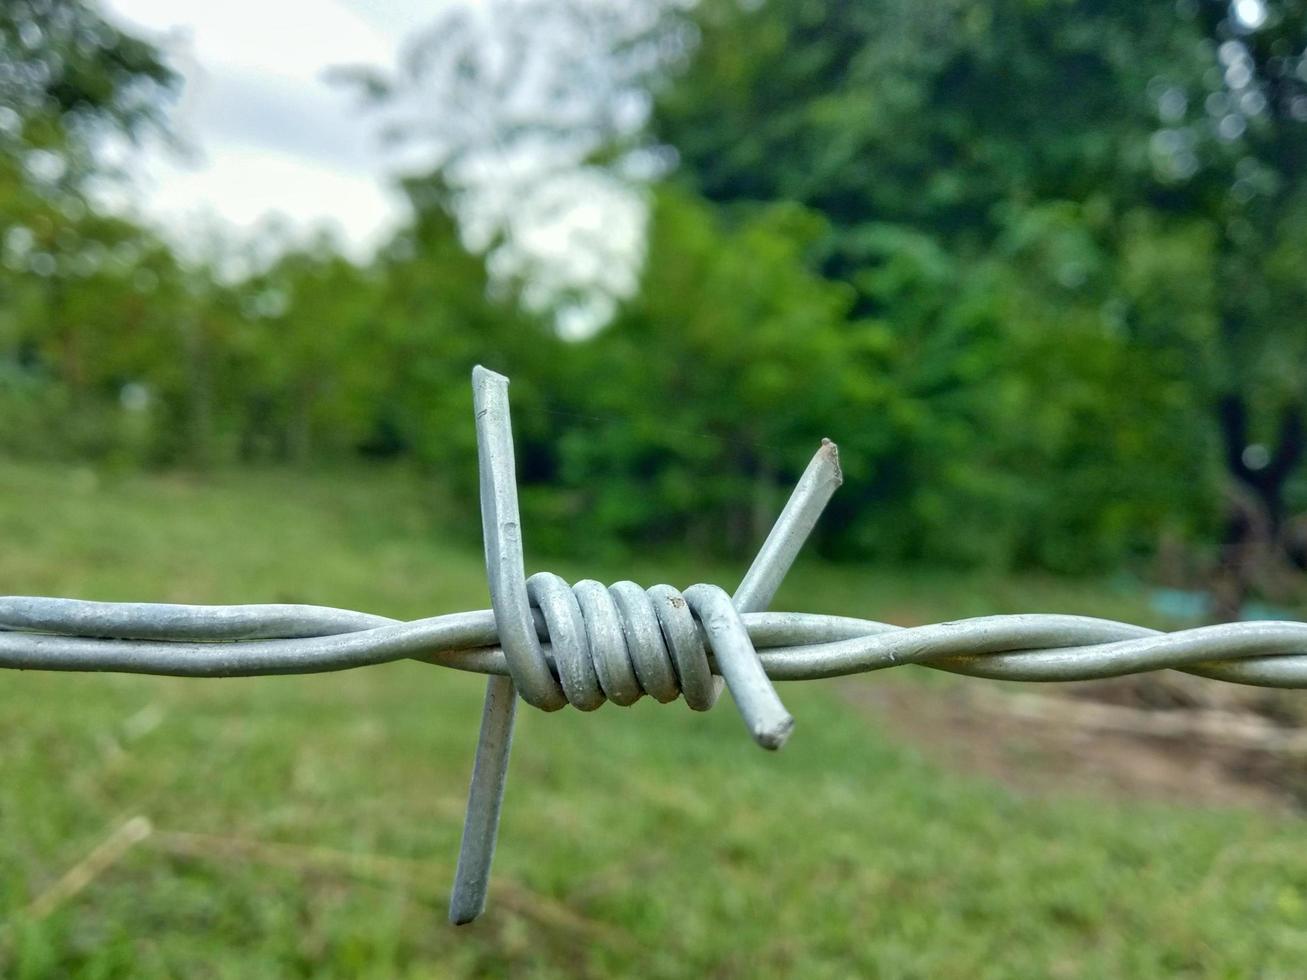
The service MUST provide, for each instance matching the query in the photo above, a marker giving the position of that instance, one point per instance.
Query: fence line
(585, 644)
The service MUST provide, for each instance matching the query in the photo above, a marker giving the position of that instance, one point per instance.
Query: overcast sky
(271, 137)
(270, 134)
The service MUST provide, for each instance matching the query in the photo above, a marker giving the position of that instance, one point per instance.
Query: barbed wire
(74, 635)
(556, 644)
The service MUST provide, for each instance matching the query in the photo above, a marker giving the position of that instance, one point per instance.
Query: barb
(586, 644)
(615, 643)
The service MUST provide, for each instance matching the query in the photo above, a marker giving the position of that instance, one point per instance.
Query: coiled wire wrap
(621, 642)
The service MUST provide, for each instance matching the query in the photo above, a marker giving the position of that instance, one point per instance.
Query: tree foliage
(1036, 265)
(1115, 188)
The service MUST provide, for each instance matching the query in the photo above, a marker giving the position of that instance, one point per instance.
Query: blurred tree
(730, 322)
(436, 315)
(531, 112)
(68, 79)
(71, 279)
(1079, 155)
(305, 349)
(1250, 179)
(1037, 266)
(88, 331)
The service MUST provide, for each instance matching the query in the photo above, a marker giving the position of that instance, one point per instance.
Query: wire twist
(39, 633)
(622, 642)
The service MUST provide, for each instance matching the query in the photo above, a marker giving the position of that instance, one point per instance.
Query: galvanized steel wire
(241, 641)
(556, 644)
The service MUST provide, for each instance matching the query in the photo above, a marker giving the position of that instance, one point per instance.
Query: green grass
(652, 841)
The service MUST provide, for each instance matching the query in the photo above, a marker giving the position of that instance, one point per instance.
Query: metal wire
(585, 644)
(49, 634)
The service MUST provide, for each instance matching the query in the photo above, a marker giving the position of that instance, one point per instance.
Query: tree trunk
(1265, 476)
(1253, 546)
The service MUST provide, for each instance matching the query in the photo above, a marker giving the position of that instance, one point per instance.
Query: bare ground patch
(1160, 737)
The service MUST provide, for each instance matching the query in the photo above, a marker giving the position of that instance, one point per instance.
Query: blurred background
(1038, 266)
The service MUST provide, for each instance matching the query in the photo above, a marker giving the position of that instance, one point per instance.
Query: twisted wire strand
(38, 633)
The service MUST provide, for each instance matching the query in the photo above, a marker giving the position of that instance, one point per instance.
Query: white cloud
(271, 138)
(292, 38)
(244, 188)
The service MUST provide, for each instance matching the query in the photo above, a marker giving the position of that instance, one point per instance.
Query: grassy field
(306, 826)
